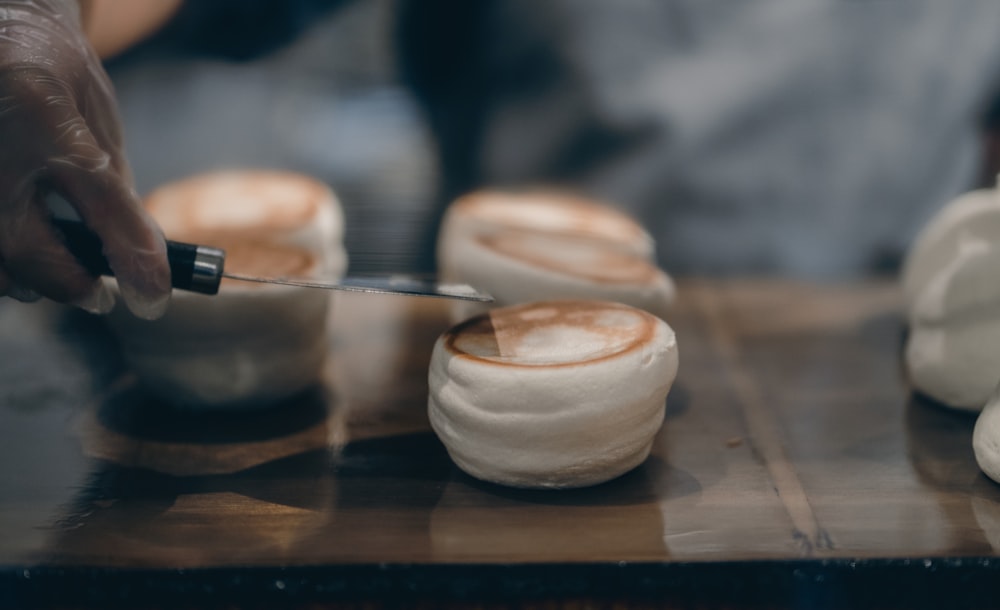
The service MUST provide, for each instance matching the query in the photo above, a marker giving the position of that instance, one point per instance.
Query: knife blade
(390, 284)
(199, 268)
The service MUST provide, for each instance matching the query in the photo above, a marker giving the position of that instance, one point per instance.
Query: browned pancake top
(264, 259)
(552, 333)
(551, 210)
(580, 257)
(246, 202)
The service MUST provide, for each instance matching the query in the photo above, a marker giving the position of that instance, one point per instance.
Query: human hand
(59, 131)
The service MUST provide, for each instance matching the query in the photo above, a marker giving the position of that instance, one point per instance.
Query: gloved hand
(59, 131)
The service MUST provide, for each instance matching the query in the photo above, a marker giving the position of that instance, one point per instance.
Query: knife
(201, 268)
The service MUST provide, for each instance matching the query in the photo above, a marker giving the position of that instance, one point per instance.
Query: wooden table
(794, 469)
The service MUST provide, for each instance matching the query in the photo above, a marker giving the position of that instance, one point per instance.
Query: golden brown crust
(539, 249)
(493, 338)
(585, 217)
(266, 259)
(201, 207)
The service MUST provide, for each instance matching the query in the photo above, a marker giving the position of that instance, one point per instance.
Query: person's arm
(112, 26)
(60, 131)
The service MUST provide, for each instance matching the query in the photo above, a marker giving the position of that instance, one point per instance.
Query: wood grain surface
(791, 439)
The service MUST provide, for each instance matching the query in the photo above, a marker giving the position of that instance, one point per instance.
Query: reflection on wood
(131, 429)
(790, 434)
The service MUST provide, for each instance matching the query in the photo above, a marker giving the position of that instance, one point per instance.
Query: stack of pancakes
(564, 383)
(251, 345)
(535, 245)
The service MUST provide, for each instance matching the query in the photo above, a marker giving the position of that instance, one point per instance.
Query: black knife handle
(192, 267)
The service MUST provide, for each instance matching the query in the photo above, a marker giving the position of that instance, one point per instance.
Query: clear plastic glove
(59, 131)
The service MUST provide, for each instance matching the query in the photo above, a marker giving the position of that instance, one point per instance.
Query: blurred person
(772, 136)
(810, 139)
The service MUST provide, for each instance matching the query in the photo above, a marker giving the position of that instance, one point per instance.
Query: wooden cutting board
(791, 449)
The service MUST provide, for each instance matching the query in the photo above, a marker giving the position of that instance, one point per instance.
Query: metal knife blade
(200, 268)
(392, 284)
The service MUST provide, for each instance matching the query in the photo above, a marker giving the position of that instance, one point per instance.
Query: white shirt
(807, 137)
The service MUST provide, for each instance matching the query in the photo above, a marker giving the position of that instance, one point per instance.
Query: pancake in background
(264, 259)
(251, 345)
(973, 215)
(986, 437)
(553, 394)
(228, 206)
(521, 266)
(953, 346)
(551, 211)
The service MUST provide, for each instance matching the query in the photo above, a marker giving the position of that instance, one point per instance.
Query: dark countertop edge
(875, 582)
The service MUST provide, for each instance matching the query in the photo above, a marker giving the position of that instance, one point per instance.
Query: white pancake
(553, 394)
(269, 205)
(520, 266)
(252, 344)
(249, 346)
(986, 437)
(953, 347)
(973, 215)
(550, 211)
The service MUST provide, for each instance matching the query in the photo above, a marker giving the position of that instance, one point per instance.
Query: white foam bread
(547, 210)
(262, 205)
(975, 214)
(533, 245)
(252, 344)
(986, 437)
(953, 303)
(552, 394)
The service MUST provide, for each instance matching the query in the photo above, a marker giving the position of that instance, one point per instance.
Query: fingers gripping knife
(201, 268)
